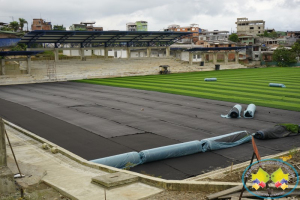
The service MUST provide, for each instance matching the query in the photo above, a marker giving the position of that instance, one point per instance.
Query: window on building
(256, 56)
(229, 45)
(178, 29)
(194, 56)
(258, 31)
(251, 27)
(183, 29)
(255, 48)
(216, 45)
(259, 27)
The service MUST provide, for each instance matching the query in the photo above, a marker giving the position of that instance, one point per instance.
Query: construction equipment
(164, 69)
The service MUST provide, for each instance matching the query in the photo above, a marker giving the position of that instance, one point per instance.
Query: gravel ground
(175, 195)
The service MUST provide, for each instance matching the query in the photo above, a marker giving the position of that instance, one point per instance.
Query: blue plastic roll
(225, 141)
(276, 85)
(120, 161)
(171, 151)
(210, 79)
(235, 112)
(249, 112)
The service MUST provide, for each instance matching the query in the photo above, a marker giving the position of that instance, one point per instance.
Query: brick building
(40, 24)
(194, 28)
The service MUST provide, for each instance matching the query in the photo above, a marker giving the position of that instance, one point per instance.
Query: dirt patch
(236, 175)
(38, 192)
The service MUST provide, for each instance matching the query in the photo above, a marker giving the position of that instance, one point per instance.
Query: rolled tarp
(235, 112)
(120, 161)
(170, 151)
(276, 85)
(278, 131)
(210, 79)
(225, 141)
(249, 112)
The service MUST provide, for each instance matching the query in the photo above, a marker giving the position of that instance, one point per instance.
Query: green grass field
(239, 85)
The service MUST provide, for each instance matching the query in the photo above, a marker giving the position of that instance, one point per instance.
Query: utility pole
(7, 184)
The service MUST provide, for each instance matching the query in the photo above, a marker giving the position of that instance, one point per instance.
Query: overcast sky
(282, 15)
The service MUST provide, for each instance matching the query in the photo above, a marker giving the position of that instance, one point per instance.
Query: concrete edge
(234, 167)
(61, 191)
(172, 185)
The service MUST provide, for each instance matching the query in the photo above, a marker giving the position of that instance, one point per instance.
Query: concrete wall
(100, 68)
(76, 52)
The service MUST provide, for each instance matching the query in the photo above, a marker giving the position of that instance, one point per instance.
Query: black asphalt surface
(96, 121)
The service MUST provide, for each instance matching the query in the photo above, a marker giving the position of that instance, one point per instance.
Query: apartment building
(137, 26)
(85, 26)
(250, 27)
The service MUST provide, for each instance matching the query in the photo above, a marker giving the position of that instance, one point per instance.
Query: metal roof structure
(19, 53)
(104, 38)
(216, 48)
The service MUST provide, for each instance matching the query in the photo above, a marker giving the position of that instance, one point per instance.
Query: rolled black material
(234, 113)
(273, 133)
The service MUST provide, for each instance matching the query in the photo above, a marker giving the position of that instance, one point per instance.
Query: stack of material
(249, 112)
(121, 160)
(235, 112)
(278, 131)
(210, 79)
(170, 151)
(276, 85)
(225, 141)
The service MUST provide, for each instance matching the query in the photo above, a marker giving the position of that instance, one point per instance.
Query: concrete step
(115, 179)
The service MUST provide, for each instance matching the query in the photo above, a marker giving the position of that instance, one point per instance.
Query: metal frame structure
(28, 55)
(216, 49)
(19, 53)
(104, 38)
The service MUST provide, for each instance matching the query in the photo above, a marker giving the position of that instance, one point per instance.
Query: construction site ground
(94, 121)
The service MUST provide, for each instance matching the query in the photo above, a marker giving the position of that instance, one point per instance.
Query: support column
(201, 57)
(56, 58)
(106, 53)
(236, 57)
(128, 52)
(226, 57)
(7, 184)
(214, 57)
(148, 52)
(191, 58)
(82, 57)
(168, 51)
(28, 64)
(2, 67)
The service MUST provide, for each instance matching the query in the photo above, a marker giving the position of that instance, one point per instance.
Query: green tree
(14, 25)
(273, 34)
(266, 34)
(284, 56)
(296, 49)
(19, 47)
(22, 22)
(6, 28)
(233, 37)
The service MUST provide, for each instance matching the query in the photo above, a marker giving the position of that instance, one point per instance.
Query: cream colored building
(250, 27)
